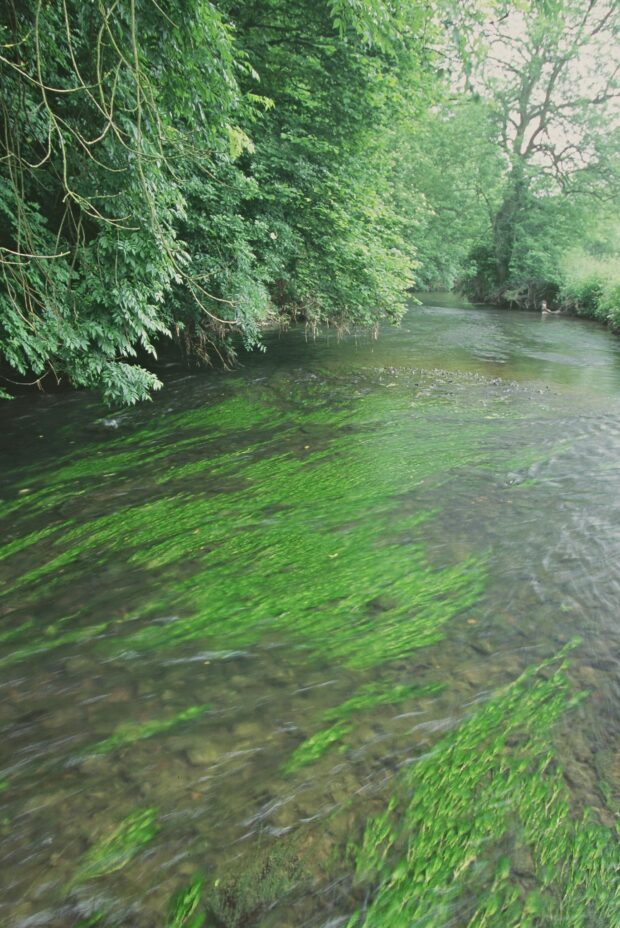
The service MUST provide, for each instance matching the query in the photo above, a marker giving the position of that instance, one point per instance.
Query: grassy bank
(591, 288)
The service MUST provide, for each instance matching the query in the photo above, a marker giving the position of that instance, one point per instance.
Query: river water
(332, 639)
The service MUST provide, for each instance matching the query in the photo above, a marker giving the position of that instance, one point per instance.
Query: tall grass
(592, 287)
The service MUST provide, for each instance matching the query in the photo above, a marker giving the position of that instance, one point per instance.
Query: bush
(592, 287)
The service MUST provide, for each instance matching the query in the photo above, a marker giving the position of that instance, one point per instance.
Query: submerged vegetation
(329, 605)
(369, 696)
(483, 831)
(130, 732)
(184, 906)
(115, 851)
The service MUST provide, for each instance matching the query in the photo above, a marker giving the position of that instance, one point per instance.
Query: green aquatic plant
(368, 697)
(242, 898)
(183, 911)
(25, 541)
(114, 851)
(130, 732)
(490, 795)
(326, 524)
(315, 746)
(320, 538)
(49, 644)
(91, 920)
(199, 428)
(372, 695)
(526, 457)
(11, 633)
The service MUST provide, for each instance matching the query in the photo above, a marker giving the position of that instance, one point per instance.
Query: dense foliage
(197, 170)
(194, 170)
(548, 76)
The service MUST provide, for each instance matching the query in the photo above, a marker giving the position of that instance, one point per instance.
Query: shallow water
(265, 641)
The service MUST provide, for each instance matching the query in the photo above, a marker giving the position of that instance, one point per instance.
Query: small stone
(476, 676)
(522, 861)
(95, 764)
(120, 694)
(589, 676)
(248, 731)
(202, 755)
(145, 688)
(482, 646)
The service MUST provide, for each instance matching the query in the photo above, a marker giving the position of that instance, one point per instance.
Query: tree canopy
(196, 170)
(549, 72)
(193, 170)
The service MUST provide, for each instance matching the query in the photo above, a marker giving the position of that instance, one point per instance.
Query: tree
(551, 71)
(100, 105)
(452, 165)
(188, 170)
(344, 86)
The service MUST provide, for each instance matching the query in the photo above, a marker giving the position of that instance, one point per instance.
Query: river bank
(588, 292)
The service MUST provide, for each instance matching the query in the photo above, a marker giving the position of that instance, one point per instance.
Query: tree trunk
(506, 220)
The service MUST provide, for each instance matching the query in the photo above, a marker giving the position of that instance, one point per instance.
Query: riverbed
(330, 639)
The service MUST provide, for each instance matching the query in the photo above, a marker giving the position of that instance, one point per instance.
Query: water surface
(332, 639)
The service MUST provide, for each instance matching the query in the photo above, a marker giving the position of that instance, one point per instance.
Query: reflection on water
(265, 642)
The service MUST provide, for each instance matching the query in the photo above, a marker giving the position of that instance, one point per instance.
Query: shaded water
(265, 642)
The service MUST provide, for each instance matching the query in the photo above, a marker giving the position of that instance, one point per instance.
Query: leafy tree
(99, 103)
(193, 169)
(551, 74)
(325, 161)
(456, 172)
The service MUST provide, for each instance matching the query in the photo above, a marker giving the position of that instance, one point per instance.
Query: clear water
(247, 630)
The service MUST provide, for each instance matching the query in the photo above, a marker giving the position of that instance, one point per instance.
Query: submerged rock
(204, 754)
(249, 731)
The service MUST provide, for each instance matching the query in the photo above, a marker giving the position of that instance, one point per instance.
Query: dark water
(264, 640)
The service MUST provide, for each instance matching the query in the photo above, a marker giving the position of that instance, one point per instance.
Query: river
(331, 639)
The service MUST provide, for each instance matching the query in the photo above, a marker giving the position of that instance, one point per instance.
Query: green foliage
(183, 912)
(452, 163)
(330, 230)
(242, 899)
(197, 172)
(114, 851)
(130, 732)
(547, 81)
(591, 286)
(488, 792)
(89, 247)
(200, 171)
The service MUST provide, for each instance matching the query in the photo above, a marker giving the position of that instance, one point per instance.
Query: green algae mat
(331, 644)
